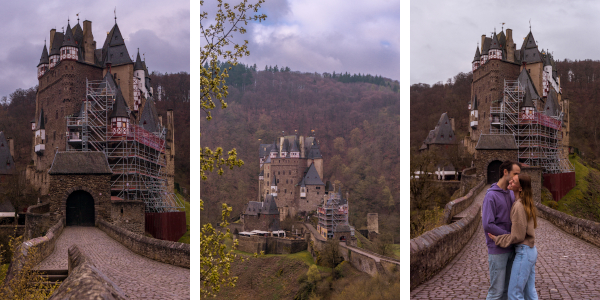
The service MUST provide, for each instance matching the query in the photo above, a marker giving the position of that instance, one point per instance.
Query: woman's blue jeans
(522, 276)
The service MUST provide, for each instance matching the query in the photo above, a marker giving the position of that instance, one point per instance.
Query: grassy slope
(581, 201)
(186, 237)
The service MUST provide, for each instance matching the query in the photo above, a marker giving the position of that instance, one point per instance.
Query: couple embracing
(509, 219)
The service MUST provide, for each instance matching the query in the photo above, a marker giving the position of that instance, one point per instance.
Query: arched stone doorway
(80, 209)
(493, 171)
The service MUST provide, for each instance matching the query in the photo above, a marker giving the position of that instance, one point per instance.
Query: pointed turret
(69, 49)
(476, 60)
(114, 48)
(475, 103)
(529, 50)
(138, 63)
(43, 66)
(40, 134)
(274, 186)
(40, 123)
(119, 118)
(495, 48)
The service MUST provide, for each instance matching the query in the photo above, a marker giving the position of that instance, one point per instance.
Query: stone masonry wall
(586, 230)
(128, 215)
(177, 254)
(63, 185)
(261, 222)
(484, 157)
(271, 245)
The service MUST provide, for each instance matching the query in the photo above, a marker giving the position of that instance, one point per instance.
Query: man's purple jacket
(495, 216)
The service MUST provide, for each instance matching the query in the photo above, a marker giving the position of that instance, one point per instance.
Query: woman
(524, 221)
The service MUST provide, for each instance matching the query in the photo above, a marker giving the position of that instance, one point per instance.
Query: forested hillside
(357, 125)
(18, 109)
(580, 82)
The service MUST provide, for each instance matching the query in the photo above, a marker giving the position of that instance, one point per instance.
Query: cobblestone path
(139, 277)
(567, 268)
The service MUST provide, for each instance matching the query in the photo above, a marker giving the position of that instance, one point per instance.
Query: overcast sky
(325, 36)
(161, 31)
(443, 38)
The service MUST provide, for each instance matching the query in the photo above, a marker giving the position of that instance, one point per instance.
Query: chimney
(160, 120)
(11, 143)
(88, 42)
(482, 41)
(510, 46)
(452, 122)
(52, 32)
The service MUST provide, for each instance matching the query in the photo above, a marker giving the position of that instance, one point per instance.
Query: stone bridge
(137, 276)
(567, 267)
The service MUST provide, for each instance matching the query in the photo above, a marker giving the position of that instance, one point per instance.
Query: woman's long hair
(527, 198)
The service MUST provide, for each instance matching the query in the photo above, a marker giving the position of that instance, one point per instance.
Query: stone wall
(128, 215)
(173, 253)
(44, 246)
(263, 222)
(96, 185)
(586, 230)
(366, 263)
(536, 181)
(430, 252)
(86, 281)
(36, 225)
(456, 206)
(270, 245)
(484, 157)
(468, 180)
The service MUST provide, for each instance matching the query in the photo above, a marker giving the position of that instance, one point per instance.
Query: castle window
(278, 173)
(68, 52)
(56, 116)
(284, 191)
(290, 172)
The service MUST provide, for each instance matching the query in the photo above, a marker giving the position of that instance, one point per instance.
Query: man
(495, 216)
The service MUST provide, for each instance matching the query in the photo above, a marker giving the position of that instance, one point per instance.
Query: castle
(291, 169)
(100, 150)
(517, 111)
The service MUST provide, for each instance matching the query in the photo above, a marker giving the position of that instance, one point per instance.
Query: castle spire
(138, 62)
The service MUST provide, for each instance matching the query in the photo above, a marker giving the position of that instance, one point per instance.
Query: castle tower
(56, 41)
(44, 63)
(495, 49)
(139, 82)
(69, 49)
(40, 134)
(476, 59)
(274, 186)
(485, 49)
(119, 118)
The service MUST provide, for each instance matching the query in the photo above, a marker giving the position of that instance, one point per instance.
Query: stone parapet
(86, 281)
(177, 254)
(586, 230)
(431, 251)
(458, 205)
(270, 245)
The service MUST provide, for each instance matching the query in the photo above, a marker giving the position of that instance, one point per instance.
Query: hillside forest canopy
(356, 124)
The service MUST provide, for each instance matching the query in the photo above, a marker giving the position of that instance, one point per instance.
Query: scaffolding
(332, 213)
(537, 135)
(136, 156)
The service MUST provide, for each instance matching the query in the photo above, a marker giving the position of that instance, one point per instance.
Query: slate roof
(342, 228)
(495, 44)
(274, 180)
(294, 146)
(44, 59)
(528, 102)
(311, 176)
(485, 48)
(552, 107)
(7, 164)
(253, 208)
(264, 150)
(56, 43)
(149, 119)
(496, 142)
(269, 206)
(529, 50)
(314, 152)
(443, 133)
(477, 55)
(526, 82)
(78, 34)
(74, 162)
(69, 39)
(41, 123)
(120, 107)
(138, 62)
(114, 48)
